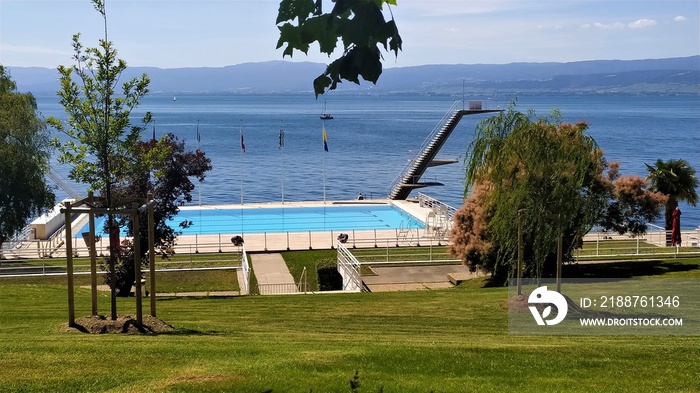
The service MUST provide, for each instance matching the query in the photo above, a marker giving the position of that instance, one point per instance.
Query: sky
(217, 33)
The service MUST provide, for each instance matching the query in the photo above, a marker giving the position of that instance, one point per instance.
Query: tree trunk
(671, 205)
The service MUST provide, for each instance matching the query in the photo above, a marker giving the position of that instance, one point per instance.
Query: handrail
(349, 268)
(430, 201)
(424, 145)
(246, 271)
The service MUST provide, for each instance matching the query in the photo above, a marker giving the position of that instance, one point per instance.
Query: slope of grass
(444, 341)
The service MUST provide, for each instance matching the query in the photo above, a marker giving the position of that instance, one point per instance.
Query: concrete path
(272, 274)
(407, 278)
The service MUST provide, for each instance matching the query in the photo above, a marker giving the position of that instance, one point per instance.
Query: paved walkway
(409, 278)
(272, 274)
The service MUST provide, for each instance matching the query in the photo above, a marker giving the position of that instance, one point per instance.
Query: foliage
(542, 167)
(677, 180)
(359, 24)
(469, 240)
(163, 169)
(552, 174)
(631, 203)
(24, 156)
(98, 125)
(100, 133)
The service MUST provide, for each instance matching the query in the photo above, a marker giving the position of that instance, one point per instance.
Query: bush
(329, 279)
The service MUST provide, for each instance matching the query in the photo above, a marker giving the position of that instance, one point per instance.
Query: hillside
(652, 76)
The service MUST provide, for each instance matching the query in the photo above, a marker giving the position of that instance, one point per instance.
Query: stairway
(410, 178)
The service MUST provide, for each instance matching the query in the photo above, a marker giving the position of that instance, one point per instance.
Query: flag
(325, 139)
(242, 144)
(154, 133)
(281, 139)
(198, 137)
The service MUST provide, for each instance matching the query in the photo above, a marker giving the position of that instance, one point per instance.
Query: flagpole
(241, 133)
(325, 149)
(282, 157)
(199, 187)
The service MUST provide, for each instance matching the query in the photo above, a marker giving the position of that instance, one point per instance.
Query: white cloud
(604, 26)
(642, 23)
(680, 18)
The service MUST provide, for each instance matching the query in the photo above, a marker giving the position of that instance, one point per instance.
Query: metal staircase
(409, 178)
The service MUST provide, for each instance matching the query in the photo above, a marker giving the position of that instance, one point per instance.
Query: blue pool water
(291, 219)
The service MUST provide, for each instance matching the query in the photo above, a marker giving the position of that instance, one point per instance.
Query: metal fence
(267, 242)
(57, 266)
(599, 245)
(350, 269)
(278, 289)
(245, 269)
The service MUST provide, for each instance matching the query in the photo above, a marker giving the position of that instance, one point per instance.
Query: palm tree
(676, 179)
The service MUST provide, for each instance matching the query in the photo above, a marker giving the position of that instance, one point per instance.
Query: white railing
(349, 269)
(57, 266)
(400, 177)
(428, 201)
(652, 244)
(409, 236)
(278, 289)
(245, 268)
(439, 220)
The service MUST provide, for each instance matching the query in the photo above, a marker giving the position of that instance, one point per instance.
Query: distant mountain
(651, 76)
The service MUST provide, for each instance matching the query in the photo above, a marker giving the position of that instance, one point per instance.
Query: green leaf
(321, 83)
(292, 36)
(295, 9)
(321, 29)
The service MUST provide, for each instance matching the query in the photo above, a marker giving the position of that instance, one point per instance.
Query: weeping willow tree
(545, 170)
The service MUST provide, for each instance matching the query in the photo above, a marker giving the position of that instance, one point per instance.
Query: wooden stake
(69, 267)
(151, 254)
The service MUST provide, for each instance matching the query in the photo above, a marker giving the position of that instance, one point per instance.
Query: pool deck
(271, 242)
(315, 240)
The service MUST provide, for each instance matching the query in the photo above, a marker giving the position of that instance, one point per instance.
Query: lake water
(372, 137)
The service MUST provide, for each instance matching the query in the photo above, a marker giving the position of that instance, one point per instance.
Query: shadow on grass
(626, 269)
(188, 332)
(605, 270)
(168, 298)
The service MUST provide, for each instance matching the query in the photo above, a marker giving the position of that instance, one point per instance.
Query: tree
(100, 133)
(165, 170)
(543, 167)
(359, 24)
(631, 202)
(553, 175)
(676, 179)
(24, 157)
(469, 238)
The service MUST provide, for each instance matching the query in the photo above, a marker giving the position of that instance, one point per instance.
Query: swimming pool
(210, 221)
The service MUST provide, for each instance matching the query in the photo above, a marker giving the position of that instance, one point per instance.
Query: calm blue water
(373, 137)
(291, 219)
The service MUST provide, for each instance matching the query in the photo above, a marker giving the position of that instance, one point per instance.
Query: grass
(173, 261)
(311, 260)
(196, 281)
(167, 282)
(444, 341)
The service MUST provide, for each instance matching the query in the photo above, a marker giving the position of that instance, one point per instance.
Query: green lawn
(452, 340)
(172, 262)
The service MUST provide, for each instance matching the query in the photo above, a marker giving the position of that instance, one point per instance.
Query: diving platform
(409, 178)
